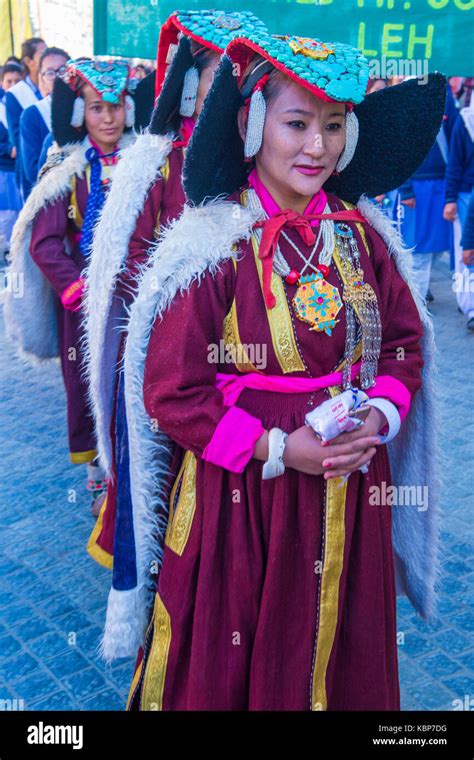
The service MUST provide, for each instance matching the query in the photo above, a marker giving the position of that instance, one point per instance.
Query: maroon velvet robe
(241, 621)
(53, 225)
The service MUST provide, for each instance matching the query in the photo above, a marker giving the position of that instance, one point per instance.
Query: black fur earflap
(214, 162)
(144, 97)
(397, 128)
(61, 112)
(165, 116)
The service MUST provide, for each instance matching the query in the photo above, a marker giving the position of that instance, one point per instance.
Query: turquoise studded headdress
(109, 78)
(213, 29)
(388, 133)
(331, 70)
(210, 31)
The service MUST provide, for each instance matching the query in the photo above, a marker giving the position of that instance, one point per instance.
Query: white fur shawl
(137, 171)
(30, 317)
(200, 241)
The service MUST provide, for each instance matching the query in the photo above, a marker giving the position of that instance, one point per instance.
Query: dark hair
(11, 68)
(203, 58)
(276, 79)
(13, 59)
(53, 51)
(28, 47)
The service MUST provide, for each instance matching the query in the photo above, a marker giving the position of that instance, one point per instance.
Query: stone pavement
(53, 595)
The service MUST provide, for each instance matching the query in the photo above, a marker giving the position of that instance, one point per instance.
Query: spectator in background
(459, 184)
(10, 200)
(35, 122)
(422, 200)
(468, 235)
(22, 95)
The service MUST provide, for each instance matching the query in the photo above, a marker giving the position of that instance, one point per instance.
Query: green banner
(400, 37)
(128, 28)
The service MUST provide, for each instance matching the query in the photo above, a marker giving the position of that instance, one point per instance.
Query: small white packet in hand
(336, 415)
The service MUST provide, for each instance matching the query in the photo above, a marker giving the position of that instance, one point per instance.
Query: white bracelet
(391, 413)
(274, 466)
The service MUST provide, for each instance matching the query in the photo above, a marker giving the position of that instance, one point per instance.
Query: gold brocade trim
(231, 337)
(155, 670)
(76, 216)
(335, 535)
(181, 517)
(94, 550)
(279, 322)
(136, 678)
(165, 173)
(82, 457)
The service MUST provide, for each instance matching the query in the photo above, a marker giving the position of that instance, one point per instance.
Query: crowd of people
(228, 199)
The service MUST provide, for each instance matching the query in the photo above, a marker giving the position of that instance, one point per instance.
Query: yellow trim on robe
(155, 671)
(96, 552)
(77, 216)
(336, 491)
(333, 563)
(181, 518)
(165, 173)
(134, 684)
(82, 457)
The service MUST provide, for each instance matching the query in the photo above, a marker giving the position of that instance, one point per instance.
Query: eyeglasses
(51, 74)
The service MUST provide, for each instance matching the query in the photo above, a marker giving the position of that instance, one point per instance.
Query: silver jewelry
(274, 466)
(189, 93)
(255, 124)
(362, 309)
(78, 111)
(352, 137)
(129, 111)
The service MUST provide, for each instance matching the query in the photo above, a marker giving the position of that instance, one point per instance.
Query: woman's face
(206, 79)
(302, 140)
(105, 121)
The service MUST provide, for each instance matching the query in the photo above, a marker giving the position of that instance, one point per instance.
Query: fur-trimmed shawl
(30, 316)
(199, 242)
(136, 172)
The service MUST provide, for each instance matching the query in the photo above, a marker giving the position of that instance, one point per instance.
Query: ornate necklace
(318, 303)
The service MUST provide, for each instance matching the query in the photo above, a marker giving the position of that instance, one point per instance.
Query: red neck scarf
(279, 219)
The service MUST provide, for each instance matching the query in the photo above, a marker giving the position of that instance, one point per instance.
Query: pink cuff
(234, 439)
(72, 295)
(395, 391)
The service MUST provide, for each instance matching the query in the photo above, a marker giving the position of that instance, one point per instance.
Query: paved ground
(53, 596)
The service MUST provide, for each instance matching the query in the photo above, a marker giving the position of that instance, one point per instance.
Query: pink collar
(316, 205)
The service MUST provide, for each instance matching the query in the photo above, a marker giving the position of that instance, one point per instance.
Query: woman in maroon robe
(276, 588)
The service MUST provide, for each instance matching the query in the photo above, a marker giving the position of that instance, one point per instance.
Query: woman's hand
(337, 460)
(305, 452)
(449, 212)
(410, 202)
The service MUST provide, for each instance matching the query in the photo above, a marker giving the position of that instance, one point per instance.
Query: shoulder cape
(136, 172)
(30, 320)
(181, 257)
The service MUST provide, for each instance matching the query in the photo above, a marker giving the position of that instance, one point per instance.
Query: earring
(255, 124)
(78, 109)
(352, 136)
(129, 111)
(189, 93)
